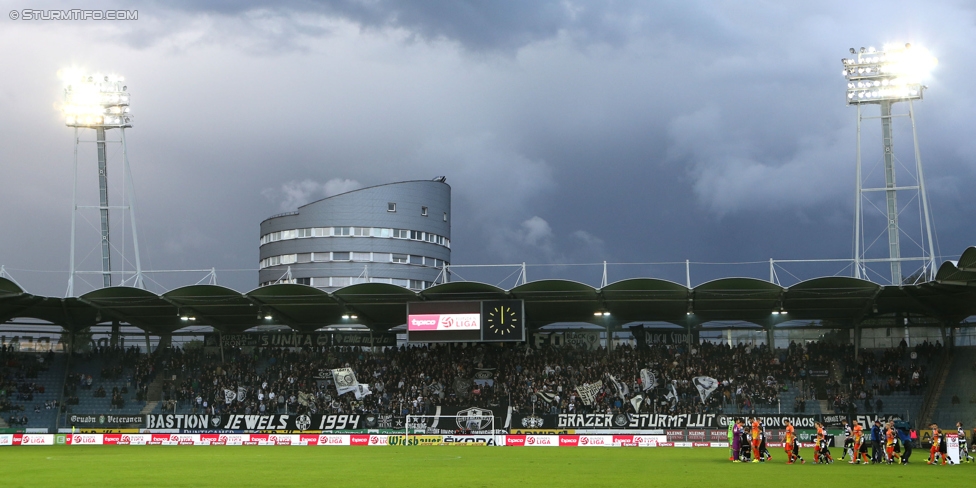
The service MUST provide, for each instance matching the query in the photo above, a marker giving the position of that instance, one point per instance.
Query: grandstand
(417, 380)
(238, 362)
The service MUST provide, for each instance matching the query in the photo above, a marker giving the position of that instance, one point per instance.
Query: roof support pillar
(220, 339)
(691, 322)
(114, 341)
(857, 340)
(165, 340)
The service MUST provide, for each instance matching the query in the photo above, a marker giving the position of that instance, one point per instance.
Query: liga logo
(279, 440)
(330, 440)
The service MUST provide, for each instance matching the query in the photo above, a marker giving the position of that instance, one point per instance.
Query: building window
(304, 281)
(391, 207)
(445, 216)
(361, 256)
(400, 258)
(381, 232)
(305, 257)
(340, 256)
(423, 211)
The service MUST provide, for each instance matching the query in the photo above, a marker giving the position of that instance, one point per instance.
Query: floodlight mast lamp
(100, 102)
(884, 77)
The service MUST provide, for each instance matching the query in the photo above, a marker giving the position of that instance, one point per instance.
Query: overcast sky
(571, 132)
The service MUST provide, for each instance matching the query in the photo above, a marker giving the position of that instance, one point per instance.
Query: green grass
(117, 466)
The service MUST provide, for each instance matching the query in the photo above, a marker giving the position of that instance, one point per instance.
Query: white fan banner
(705, 385)
(588, 392)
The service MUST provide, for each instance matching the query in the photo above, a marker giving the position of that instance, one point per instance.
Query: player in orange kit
(755, 439)
(791, 446)
(816, 444)
(858, 434)
(821, 450)
(936, 442)
(890, 443)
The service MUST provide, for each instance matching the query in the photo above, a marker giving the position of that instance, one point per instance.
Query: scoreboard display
(482, 321)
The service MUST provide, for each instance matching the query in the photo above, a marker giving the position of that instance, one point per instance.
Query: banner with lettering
(295, 339)
(580, 339)
(277, 423)
(650, 421)
(646, 337)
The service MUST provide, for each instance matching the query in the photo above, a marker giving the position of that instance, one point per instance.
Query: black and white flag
(241, 393)
(229, 396)
(361, 391)
(345, 382)
(672, 396)
(648, 379)
(548, 397)
(622, 390)
(588, 391)
(636, 402)
(705, 385)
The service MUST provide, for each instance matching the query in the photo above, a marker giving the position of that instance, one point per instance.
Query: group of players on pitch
(747, 443)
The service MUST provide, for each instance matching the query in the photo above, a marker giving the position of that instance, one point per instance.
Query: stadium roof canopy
(843, 301)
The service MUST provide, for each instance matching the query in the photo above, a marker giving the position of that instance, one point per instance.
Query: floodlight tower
(882, 78)
(101, 102)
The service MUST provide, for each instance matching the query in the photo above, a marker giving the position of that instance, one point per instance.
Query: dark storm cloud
(571, 132)
(477, 25)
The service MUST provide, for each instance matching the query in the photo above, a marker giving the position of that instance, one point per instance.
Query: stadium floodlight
(95, 100)
(101, 102)
(892, 74)
(884, 77)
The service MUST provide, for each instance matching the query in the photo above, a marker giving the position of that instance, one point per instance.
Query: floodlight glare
(903, 67)
(88, 98)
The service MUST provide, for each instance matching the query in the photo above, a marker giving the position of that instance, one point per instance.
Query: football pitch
(240, 466)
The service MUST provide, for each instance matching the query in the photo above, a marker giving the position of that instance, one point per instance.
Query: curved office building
(398, 233)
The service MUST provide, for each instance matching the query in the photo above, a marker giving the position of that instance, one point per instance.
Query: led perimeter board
(489, 321)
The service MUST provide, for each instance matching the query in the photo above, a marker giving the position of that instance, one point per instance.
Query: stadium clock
(502, 321)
